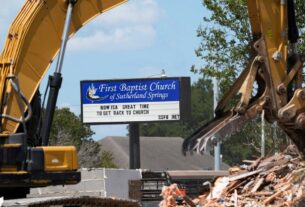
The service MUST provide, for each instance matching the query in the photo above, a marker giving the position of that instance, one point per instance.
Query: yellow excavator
(38, 34)
(276, 68)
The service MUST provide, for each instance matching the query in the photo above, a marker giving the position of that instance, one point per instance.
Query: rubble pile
(276, 181)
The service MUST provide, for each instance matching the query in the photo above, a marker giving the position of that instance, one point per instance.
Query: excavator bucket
(228, 122)
(278, 74)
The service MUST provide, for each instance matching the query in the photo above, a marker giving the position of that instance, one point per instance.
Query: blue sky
(137, 39)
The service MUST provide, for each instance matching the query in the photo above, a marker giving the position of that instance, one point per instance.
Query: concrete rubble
(276, 181)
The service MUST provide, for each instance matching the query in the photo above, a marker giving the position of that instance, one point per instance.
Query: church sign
(135, 100)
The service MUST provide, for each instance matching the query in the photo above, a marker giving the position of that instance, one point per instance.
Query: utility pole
(263, 135)
(274, 135)
(217, 146)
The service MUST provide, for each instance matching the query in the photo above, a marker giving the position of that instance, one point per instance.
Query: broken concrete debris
(276, 181)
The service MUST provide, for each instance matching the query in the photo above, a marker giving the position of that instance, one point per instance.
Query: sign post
(134, 146)
(134, 101)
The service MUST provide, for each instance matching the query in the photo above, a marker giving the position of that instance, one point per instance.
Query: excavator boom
(276, 68)
(38, 33)
(32, 43)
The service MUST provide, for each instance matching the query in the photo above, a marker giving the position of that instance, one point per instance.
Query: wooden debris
(257, 185)
(276, 181)
(234, 170)
(254, 165)
(189, 201)
(245, 175)
(271, 198)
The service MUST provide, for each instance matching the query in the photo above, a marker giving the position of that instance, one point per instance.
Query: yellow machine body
(60, 158)
(33, 41)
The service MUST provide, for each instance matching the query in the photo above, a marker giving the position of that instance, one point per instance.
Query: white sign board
(132, 100)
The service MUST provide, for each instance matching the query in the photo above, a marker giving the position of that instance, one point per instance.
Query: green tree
(246, 144)
(225, 38)
(67, 129)
(107, 160)
(224, 49)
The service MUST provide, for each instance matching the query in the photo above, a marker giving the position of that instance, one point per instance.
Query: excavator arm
(36, 36)
(276, 68)
(32, 43)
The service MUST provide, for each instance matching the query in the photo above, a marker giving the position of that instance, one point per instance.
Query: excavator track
(77, 201)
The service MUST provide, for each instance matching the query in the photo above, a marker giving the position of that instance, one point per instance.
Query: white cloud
(134, 12)
(129, 26)
(133, 37)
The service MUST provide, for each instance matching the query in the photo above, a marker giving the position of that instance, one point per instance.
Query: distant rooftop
(158, 154)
